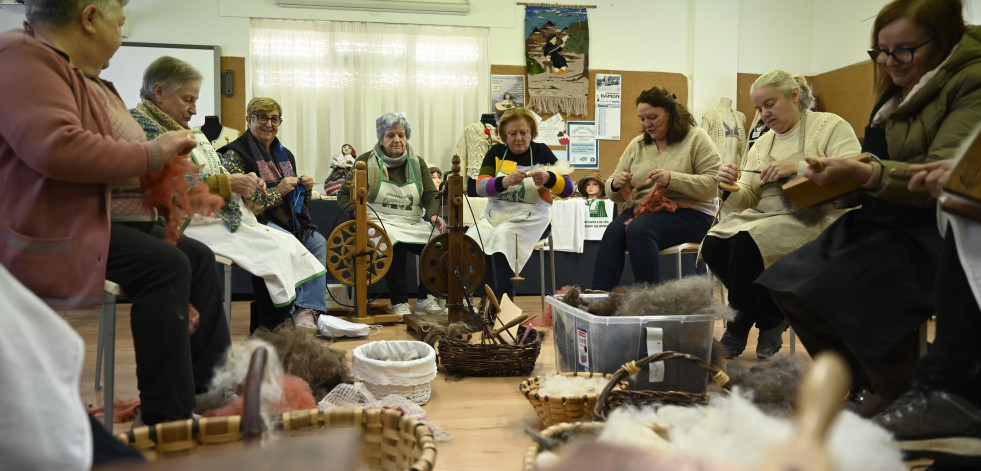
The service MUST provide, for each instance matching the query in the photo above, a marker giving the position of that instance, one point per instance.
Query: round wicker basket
(554, 410)
(391, 441)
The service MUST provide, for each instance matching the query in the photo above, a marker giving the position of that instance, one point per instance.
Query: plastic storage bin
(584, 342)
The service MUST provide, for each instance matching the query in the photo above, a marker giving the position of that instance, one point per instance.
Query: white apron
(771, 223)
(277, 257)
(399, 212)
(518, 211)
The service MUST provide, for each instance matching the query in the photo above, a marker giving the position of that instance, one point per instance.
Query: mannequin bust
(727, 130)
(473, 145)
(218, 134)
(211, 127)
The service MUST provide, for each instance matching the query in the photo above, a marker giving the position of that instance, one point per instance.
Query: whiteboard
(128, 64)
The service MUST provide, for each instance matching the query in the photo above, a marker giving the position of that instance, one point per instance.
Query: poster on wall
(551, 131)
(608, 106)
(507, 91)
(583, 146)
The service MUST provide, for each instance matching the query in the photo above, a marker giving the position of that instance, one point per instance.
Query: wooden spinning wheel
(342, 252)
(435, 267)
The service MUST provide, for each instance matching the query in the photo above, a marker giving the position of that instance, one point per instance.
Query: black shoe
(733, 344)
(934, 424)
(864, 403)
(770, 341)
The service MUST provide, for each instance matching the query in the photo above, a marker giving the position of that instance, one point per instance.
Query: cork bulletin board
(846, 92)
(632, 84)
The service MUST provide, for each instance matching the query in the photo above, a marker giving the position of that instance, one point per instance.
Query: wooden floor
(484, 418)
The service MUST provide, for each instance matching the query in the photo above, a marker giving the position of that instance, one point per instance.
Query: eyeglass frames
(903, 55)
(263, 119)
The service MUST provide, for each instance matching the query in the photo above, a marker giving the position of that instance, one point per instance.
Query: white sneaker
(430, 306)
(402, 309)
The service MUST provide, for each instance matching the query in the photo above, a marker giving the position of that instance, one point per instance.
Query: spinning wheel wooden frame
(359, 252)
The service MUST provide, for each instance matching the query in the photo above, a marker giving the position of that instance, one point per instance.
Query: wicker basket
(611, 396)
(468, 359)
(410, 379)
(556, 410)
(391, 441)
(566, 431)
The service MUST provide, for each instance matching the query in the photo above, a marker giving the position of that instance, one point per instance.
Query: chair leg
(793, 341)
(678, 264)
(108, 302)
(551, 261)
(107, 335)
(228, 294)
(541, 267)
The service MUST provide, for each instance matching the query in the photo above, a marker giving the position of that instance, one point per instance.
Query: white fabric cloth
(278, 258)
(967, 233)
(513, 222)
(227, 135)
(569, 225)
(400, 212)
(44, 423)
(599, 214)
(437, 75)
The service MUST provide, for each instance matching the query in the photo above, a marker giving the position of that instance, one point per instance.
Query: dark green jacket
(931, 124)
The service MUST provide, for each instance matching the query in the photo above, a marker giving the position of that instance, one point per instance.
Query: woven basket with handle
(612, 397)
(555, 410)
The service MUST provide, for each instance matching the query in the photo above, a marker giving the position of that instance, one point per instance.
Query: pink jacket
(57, 158)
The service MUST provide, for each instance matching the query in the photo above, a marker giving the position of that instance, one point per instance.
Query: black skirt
(870, 275)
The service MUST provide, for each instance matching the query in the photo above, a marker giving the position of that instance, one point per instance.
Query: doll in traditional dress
(340, 166)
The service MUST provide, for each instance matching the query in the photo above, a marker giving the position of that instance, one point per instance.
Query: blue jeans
(313, 293)
(645, 237)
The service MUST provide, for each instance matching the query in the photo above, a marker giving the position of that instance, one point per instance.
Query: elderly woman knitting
(403, 199)
(170, 91)
(283, 205)
(519, 180)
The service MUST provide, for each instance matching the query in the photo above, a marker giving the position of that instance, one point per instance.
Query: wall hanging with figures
(557, 58)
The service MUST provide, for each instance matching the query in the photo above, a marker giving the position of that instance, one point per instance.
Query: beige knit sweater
(693, 163)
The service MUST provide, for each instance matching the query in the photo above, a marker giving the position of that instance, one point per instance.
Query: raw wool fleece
(231, 374)
(733, 430)
(565, 386)
(771, 385)
(308, 357)
(689, 295)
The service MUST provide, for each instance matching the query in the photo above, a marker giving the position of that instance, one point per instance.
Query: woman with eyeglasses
(283, 205)
(863, 287)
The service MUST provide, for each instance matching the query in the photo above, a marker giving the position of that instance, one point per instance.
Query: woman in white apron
(403, 200)
(765, 225)
(277, 257)
(518, 180)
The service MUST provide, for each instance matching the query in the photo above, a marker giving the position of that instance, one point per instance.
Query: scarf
(272, 168)
(292, 214)
(230, 213)
(413, 174)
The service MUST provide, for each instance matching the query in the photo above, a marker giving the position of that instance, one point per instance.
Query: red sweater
(57, 158)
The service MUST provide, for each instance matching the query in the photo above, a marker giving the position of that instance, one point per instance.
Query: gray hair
(786, 83)
(387, 120)
(56, 13)
(169, 72)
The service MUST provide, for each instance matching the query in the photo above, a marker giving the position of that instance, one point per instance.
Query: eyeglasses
(263, 119)
(903, 55)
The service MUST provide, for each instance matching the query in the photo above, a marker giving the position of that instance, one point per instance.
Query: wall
(711, 42)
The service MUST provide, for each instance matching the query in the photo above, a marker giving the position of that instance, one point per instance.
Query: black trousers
(889, 377)
(398, 275)
(161, 279)
(954, 362)
(737, 262)
(497, 275)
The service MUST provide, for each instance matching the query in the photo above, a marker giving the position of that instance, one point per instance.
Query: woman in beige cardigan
(764, 225)
(673, 156)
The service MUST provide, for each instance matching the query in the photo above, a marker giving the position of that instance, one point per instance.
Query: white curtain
(333, 79)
